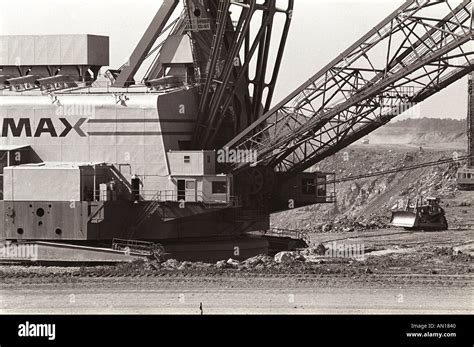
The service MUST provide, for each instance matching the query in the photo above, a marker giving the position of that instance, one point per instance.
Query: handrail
(172, 196)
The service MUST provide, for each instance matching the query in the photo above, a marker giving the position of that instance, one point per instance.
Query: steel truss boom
(421, 48)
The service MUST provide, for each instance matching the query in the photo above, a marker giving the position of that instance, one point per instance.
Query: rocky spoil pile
(367, 203)
(325, 258)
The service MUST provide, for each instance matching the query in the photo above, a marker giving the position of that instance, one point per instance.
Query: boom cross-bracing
(421, 48)
(234, 66)
(235, 81)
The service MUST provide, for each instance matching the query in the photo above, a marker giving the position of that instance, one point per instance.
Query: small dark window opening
(40, 212)
(197, 12)
(187, 159)
(308, 186)
(321, 186)
(321, 191)
(219, 187)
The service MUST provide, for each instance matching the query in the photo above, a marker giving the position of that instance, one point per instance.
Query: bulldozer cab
(433, 205)
(424, 215)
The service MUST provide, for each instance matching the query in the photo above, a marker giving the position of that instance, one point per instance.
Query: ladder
(195, 25)
(211, 67)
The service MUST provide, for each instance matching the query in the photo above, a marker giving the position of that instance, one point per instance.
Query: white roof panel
(33, 50)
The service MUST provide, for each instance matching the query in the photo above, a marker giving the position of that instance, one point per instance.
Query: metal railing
(331, 197)
(168, 196)
(137, 247)
(195, 196)
(197, 24)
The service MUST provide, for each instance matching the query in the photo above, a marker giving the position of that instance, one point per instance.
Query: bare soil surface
(242, 295)
(401, 272)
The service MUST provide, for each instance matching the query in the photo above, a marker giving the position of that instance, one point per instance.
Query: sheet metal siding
(54, 50)
(33, 184)
(58, 215)
(136, 135)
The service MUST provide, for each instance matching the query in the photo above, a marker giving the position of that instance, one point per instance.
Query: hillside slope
(370, 200)
(449, 133)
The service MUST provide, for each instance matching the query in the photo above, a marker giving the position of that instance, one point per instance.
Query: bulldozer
(425, 215)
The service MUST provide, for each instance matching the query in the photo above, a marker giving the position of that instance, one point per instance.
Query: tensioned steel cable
(400, 169)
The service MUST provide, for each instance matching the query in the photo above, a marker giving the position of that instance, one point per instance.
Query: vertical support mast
(246, 52)
(127, 73)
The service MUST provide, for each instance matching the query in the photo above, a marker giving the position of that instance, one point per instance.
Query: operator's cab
(193, 178)
(465, 178)
(305, 188)
(433, 205)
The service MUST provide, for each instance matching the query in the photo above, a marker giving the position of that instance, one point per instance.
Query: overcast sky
(321, 29)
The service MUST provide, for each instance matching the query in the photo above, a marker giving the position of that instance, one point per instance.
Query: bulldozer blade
(403, 219)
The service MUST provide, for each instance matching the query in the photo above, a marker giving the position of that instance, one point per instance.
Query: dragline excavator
(419, 49)
(195, 154)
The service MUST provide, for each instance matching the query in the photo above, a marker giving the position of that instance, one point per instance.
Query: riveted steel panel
(27, 50)
(58, 220)
(16, 50)
(41, 50)
(67, 49)
(3, 50)
(23, 183)
(54, 49)
(98, 50)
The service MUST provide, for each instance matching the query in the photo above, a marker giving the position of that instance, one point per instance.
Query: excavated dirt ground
(401, 272)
